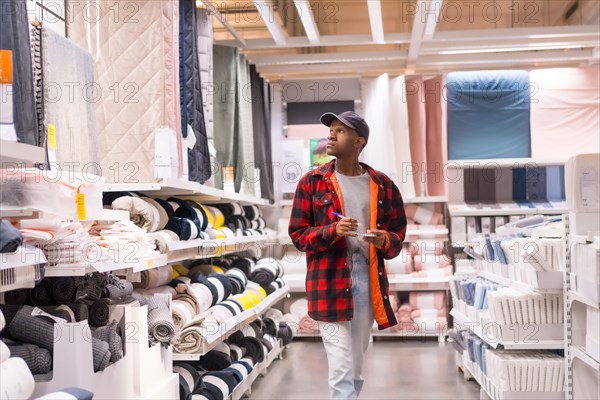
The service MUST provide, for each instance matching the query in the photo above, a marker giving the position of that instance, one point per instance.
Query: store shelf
(218, 335)
(577, 352)
(574, 296)
(20, 269)
(426, 199)
(408, 283)
(286, 202)
(178, 187)
(18, 212)
(491, 212)
(410, 334)
(555, 277)
(109, 215)
(80, 269)
(506, 162)
(516, 331)
(20, 155)
(427, 232)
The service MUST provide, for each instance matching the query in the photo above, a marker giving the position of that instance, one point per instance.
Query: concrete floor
(393, 370)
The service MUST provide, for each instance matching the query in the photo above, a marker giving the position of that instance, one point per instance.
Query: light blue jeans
(346, 342)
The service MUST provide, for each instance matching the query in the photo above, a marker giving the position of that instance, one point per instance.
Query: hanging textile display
(15, 55)
(434, 136)
(192, 110)
(204, 30)
(488, 115)
(137, 75)
(417, 131)
(261, 120)
(244, 160)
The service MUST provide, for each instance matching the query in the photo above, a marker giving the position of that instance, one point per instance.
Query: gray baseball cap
(350, 119)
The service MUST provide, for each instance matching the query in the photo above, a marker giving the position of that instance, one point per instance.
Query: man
(346, 283)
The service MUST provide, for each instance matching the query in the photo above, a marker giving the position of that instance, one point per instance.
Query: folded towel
(10, 237)
(101, 354)
(433, 247)
(430, 262)
(109, 335)
(160, 320)
(190, 340)
(403, 264)
(425, 313)
(36, 330)
(38, 360)
(425, 300)
(155, 277)
(426, 214)
(17, 381)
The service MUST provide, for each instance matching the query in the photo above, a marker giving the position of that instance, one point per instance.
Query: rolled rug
(101, 354)
(119, 288)
(166, 206)
(109, 335)
(36, 330)
(245, 264)
(217, 359)
(274, 314)
(285, 333)
(63, 289)
(235, 373)
(182, 312)
(199, 270)
(38, 360)
(160, 320)
(17, 297)
(41, 294)
(201, 293)
(235, 307)
(223, 262)
(186, 210)
(236, 352)
(205, 219)
(218, 384)
(10, 237)
(99, 310)
(182, 227)
(162, 238)
(8, 312)
(141, 212)
(271, 327)
(190, 375)
(225, 282)
(252, 212)
(238, 280)
(163, 216)
(17, 381)
(220, 313)
(80, 311)
(190, 340)
(155, 277)
(109, 197)
(253, 349)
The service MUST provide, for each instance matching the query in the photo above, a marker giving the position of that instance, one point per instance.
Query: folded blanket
(69, 394)
(109, 335)
(428, 313)
(430, 262)
(160, 320)
(190, 340)
(426, 214)
(404, 313)
(17, 381)
(141, 212)
(425, 300)
(31, 329)
(101, 354)
(155, 277)
(308, 325)
(403, 264)
(10, 237)
(38, 360)
(4, 352)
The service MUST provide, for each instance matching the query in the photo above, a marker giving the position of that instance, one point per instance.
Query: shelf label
(80, 199)
(52, 136)
(150, 263)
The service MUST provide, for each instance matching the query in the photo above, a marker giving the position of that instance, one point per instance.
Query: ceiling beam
(376, 21)
(517, 58)
(326, 40)
(427, 16)
(212, 10)
(267, 11)
(481, 35)
(317, 58)
(432, 18)
(437, 47)
(308, 21)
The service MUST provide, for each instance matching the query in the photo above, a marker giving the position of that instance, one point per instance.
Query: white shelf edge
(426, 199)
(427, 232)
(20, 153)
(522, 286)
(80, 269)
(217, 243)
(577, 352)
(18, 212)
(21, 258)
(506, 162)
(230, 326)
(574, 296)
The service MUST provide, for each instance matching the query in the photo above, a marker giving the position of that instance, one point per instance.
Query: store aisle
(393, 370)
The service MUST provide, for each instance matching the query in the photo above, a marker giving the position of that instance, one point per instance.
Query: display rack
(406, 283)
(425, 199)
(200, 248)
(20, 269)
(20, 155)
(80, 269)
(213, 337)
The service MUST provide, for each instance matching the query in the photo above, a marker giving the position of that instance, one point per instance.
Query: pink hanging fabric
(434, 140)
(416, 129)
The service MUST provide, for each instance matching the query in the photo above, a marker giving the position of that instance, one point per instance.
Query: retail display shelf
(426, 199)
(20, 269)
(426, 232)
(284, 240)
(506, 162)
(20, 155)
(18, 212)
(245, 386)
(512, 337)
(216, 243)
(80, 269)
(546, 281)
(577, 352)
(213, 337)
(408, 283)
(554, 233)
(286, 202)
(462, 212)
(178, 187)
(574, 296)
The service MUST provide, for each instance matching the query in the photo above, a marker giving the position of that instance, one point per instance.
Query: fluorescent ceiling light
(510, 49)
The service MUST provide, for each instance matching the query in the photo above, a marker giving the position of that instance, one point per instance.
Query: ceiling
(293, 39)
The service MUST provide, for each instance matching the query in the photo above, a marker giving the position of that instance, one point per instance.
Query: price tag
(52, 136)
(80, 199)
(150, 263)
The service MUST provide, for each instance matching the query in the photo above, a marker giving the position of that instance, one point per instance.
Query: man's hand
(378, 240)
(346, 227)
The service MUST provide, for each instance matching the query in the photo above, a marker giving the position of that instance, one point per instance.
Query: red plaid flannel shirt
(312, 229)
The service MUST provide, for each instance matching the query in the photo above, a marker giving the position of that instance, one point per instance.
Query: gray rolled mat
(64, 289)
(120, 288)
(17, 297)
(36, 330)
(160, 320)
(102, 354)
(37, 359)
(110, 335)
(99, 310)
(41, 294)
